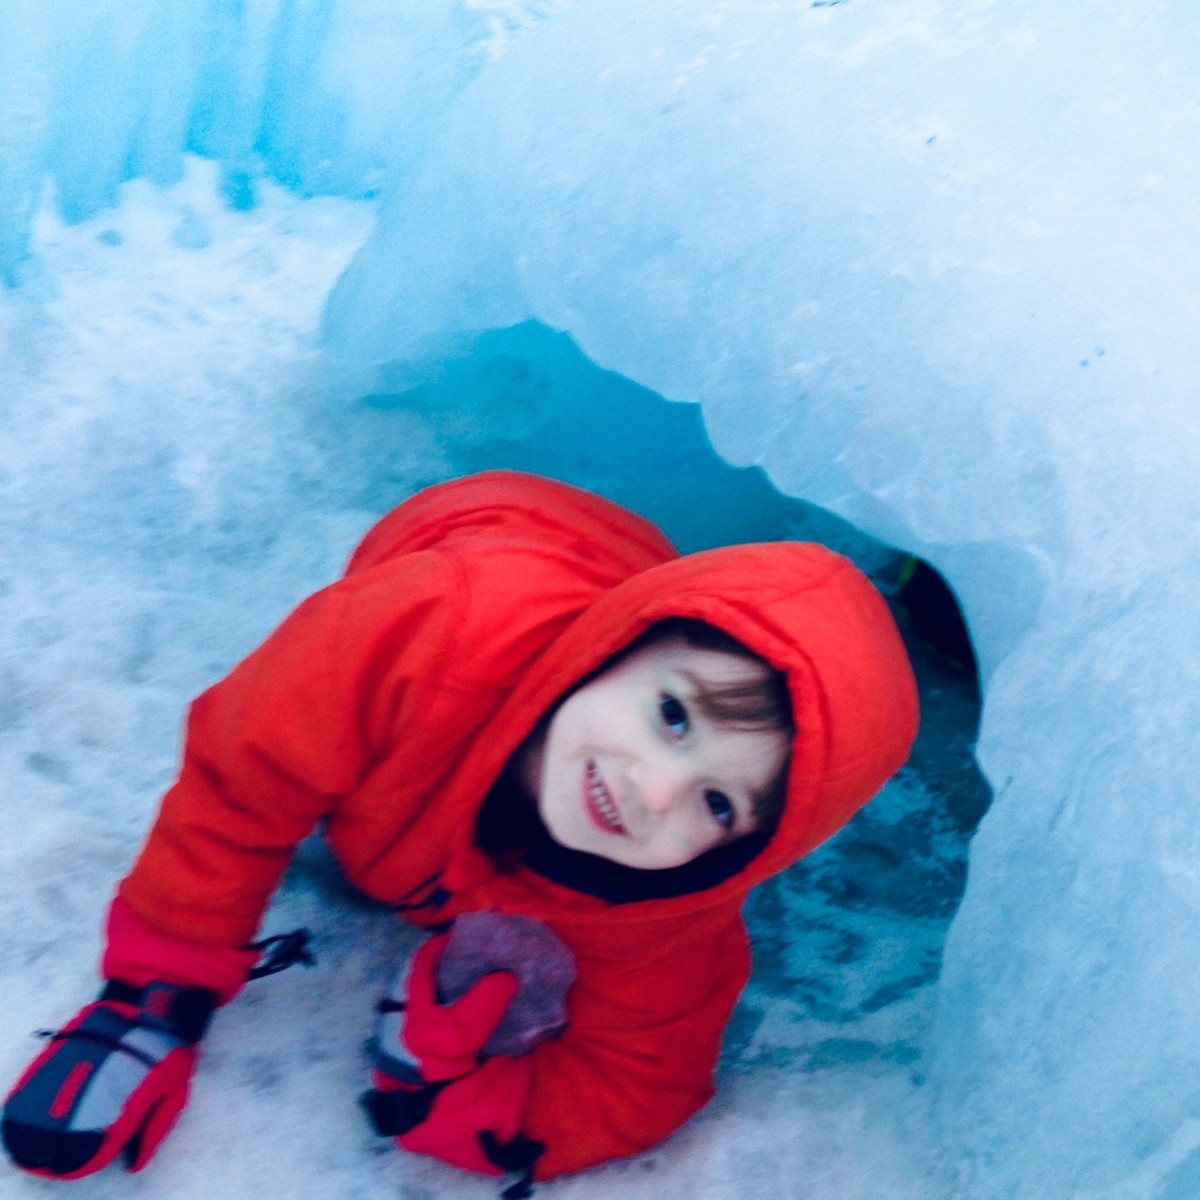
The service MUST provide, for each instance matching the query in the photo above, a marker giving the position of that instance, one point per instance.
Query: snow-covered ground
(932, 263)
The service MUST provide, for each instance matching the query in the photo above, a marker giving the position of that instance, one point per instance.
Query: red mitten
(114, 1079)
(111, 1082)
(419, 1038)
(422, 1045)
(453, 1041)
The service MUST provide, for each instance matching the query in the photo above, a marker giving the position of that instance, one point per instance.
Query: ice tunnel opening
(848, 942)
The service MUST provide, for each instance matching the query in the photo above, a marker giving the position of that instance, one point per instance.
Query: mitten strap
(181, 1012)
(285, 950)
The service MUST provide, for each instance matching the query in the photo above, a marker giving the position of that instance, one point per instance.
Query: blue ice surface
(931, 265)
(328, 98)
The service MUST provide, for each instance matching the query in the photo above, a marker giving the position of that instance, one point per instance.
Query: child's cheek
(682, 844)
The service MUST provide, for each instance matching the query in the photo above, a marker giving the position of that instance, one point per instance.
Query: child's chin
(635, 862)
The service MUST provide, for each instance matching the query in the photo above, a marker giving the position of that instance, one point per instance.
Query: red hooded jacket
(388, 703)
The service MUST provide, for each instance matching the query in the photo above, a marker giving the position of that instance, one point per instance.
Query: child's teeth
(603, 802)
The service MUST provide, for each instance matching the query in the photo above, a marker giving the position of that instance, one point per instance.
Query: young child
(519, 700)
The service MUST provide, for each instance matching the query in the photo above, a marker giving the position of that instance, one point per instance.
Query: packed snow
(272, 266)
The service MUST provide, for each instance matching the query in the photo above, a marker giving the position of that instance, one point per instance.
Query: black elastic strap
(519, 1153)
(99, 1039)
(286, 950)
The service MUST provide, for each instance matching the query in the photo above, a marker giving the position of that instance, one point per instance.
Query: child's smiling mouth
(599, 803)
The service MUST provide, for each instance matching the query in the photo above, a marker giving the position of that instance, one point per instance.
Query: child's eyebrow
(697, 681)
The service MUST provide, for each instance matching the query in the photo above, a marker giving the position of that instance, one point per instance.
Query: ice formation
(931, 263)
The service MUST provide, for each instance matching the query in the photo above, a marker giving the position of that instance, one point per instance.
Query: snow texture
(932, 264)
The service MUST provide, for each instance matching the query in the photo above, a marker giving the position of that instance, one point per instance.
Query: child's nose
(659, 788)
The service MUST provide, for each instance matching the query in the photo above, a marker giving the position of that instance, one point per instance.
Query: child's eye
(674, 715)
(721, 808)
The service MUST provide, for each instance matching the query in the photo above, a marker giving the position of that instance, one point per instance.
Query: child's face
(632, 770)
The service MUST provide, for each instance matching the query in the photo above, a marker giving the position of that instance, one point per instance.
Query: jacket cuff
(479, 1111)
(138, 953)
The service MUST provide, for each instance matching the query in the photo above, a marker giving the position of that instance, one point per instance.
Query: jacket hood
(811, 614)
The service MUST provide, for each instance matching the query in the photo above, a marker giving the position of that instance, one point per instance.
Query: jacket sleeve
(271, 748)
(636, 1060)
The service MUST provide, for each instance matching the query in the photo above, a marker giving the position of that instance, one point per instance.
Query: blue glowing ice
(932, 264)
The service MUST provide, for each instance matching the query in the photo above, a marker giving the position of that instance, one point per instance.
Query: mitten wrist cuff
(137, 953)
(182, 1013)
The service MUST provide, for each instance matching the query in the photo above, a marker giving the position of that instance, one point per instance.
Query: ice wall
(327, 96)
(934, 265)
(931, 262)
